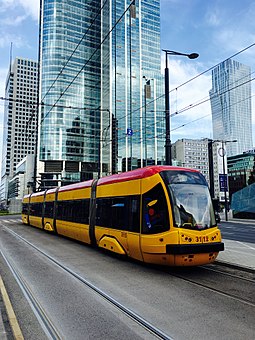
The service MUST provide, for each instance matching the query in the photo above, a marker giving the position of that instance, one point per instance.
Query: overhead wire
(96, 49)
(190, 106)
(75, 49)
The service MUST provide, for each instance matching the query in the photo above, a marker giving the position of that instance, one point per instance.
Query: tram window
(81, 211)
(64, 210)
(36, 209)
(121, 213)
(155, 212)
(103, 213)
(118, 213)
(59, 212)
(48, 209)
(134, 214)
(73, 211)
(25, 208)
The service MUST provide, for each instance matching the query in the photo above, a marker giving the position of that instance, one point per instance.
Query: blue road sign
(129, 132)
(223, 179)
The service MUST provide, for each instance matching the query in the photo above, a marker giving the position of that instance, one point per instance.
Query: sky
(215, 29)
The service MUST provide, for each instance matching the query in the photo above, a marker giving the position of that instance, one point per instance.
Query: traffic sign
(223, 179)
(129, 132)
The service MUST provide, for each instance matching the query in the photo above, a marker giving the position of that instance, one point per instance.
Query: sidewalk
(237, 253)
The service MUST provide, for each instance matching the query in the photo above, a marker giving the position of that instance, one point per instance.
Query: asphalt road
(238, 230)
(180, 308)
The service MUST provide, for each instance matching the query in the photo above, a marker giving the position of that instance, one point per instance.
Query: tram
(157, 214)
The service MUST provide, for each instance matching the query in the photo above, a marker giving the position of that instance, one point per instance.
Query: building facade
(192, 153)
(97, 59)
(241, 170)
(20, 118)
(197, 154)
(231, 105)
(21, 183)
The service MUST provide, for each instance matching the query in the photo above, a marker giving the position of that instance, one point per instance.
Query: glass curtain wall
(70, 80)
(231, 105)
(131, 60)
(97, 59)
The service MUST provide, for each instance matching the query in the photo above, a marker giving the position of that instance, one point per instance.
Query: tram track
(42, 316)
(230, 285)
(215, 290)
(245, 274)
(210, 278)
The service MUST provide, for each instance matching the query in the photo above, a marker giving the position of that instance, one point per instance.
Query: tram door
(155, 220)
(123, 219)
(133, 235)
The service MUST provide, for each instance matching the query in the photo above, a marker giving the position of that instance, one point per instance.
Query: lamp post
(224, 173)
(168, 157)
(222, 153)
(147, 94)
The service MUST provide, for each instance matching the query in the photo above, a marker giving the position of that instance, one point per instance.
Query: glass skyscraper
(231, 105)
(101, 88)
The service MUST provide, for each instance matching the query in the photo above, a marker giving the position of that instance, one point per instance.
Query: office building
(241, 171)
(20, 118)
(194, 153)
(97, 64)
(231, 105)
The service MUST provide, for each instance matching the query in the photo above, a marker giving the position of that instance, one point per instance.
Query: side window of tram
(134, 214)
(25, 208)
(118, 213)
(48, 209)
(36, 209)
(155, 212)
(73, 211)
(121, 213)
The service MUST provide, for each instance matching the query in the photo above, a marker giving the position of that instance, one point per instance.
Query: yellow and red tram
(157, 214)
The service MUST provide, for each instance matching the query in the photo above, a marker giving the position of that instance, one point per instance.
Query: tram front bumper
(182, 249)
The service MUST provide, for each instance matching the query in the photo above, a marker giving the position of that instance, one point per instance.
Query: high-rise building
(100, 65)
(194, 153)
(231, 105)
(20, 118)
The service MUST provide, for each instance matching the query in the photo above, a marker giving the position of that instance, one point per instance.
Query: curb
(17, 334)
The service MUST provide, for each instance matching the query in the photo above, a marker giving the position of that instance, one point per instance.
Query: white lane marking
(245, 244)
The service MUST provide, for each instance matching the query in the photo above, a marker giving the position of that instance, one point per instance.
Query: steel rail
(39, 312)
(228, 274)
(127, 311)
(212, 289)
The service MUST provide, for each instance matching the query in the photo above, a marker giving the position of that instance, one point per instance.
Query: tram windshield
(191, 200)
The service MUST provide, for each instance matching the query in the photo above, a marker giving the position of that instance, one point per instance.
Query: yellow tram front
(179, 226)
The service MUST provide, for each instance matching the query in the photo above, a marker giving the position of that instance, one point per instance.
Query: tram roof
(122, 177)
(140, 173)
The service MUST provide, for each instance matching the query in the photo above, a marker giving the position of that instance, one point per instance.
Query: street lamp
(224, 174)
(168, 157)
(147, 94)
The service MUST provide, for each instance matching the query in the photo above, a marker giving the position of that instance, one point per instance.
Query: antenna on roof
(10, 56)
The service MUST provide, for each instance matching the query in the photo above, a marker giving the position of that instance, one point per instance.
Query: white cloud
(3, 75)
(213, 18)
(10, 21)
(195, 122)
(18, 41)
(31, 7)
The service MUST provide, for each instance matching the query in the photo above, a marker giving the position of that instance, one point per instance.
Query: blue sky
(215, 29)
